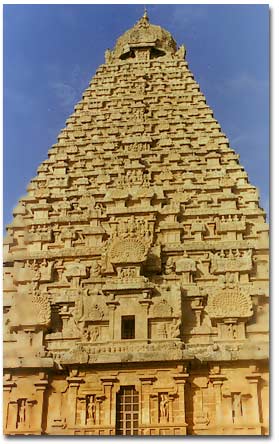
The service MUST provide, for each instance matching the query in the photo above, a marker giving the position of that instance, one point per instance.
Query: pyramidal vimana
(136, 266)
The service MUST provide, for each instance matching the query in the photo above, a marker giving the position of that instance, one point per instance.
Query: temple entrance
(127, 411)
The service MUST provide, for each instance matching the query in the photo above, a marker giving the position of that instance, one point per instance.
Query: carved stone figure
(164, 407)
(108, 56)
(181, 52)
(90, 410)
(170, 265)
(95, 269)
(174, 328)
(22, 412)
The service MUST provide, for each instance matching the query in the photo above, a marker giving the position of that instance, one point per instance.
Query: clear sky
(52, 51)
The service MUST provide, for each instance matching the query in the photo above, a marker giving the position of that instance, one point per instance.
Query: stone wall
(141, 213)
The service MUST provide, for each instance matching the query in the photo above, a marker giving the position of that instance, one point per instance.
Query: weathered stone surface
(136, 267)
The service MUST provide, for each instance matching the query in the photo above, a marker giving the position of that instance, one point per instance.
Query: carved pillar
(82, 405)
(99, 399)
(143, 324)
(155, 399)
(109, 418)
(7, 389)
(65, 316)
(40, 387)
(29, 412)
(197, 305)
(171, 399)
(74, 383)
(112, 306)
(146, 383)
(254, 414)
(227, 413)
(217, 381)
(180, 380)
(12, 415)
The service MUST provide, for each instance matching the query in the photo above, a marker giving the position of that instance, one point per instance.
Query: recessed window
(128, 327)
(127, 411)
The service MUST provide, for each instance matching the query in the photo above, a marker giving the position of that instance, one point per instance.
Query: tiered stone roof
(141, 208)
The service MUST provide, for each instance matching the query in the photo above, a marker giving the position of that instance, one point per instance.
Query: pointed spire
(145, 16)
(144, 20)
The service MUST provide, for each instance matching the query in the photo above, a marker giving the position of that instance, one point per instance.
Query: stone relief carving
(90, 410)
(164, 407)
(231, 260)
(230, 303)
(40, 233)
(75, 272)
(134, 177)
(231, 223)
(162, 309)
(35, 272)
(128, 251)
(24, 408)
(95, 268)
(30, 309)
(185, 264)
(170, 266)
(86, 308)
(174, 328)
(128, 274)
(131, 240)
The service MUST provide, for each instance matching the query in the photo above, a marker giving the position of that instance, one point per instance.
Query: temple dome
(143, 34)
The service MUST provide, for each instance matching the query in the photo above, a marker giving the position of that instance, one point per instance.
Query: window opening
(128, 327)
(127, 411)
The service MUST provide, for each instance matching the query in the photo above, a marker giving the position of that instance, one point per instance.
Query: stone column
(65, 316)
(109, 418)
(82, 402)
(112, 307)
(99, 399)
(227, 399)
(40, 387)
(7, 404)
(29, 412)
(146, 383)
(142, 327)
(254, 414)
(180, 380)
(217, 381)
(155, 398)
(12, 416)
(171, 399)
(74, 383)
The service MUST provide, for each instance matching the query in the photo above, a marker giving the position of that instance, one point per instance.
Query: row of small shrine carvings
(45, 270)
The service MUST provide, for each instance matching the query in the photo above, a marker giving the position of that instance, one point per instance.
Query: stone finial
(144, 20)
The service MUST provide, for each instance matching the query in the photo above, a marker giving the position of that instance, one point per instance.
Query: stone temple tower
(136, 282)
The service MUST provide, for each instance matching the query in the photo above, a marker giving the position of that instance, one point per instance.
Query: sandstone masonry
(136, 266)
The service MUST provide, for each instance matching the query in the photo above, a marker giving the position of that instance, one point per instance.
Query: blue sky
(52, 51)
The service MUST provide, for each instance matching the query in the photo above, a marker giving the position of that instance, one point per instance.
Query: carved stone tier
(139, 250)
